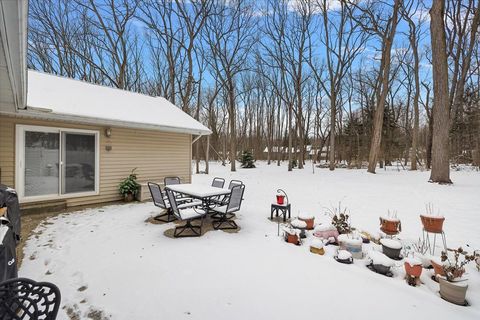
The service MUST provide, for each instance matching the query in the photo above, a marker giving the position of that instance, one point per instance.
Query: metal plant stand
(426, 239)
(282, 209)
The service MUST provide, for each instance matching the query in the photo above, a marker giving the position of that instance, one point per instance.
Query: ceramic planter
(310, 221)
(292, 238)
(437, 268)
(453, 292)
(344, 256)
(380, 263)
(316, 250)
(128, 197)
(414, 270)
(391, 248)
(390, 226)
(380, 268)
(433, 224)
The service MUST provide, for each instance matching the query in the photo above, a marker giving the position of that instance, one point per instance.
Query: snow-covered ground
(110, 262)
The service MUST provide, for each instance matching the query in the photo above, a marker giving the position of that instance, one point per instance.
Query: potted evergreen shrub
(128, 188)
(453, 287)
(247, 159)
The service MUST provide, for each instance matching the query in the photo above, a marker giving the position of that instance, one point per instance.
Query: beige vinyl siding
(155, 154)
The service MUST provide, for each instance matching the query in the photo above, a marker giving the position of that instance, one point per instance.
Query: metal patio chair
(186, 213)
(221, 201)
(226, 212)
(171, 180)
(160, 200)
(22, 299)
(218, 182)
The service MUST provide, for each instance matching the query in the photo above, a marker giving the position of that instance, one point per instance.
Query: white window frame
(20, 162)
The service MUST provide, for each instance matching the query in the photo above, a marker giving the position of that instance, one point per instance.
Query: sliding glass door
(78, 158)
(56, 162)
(42, 152)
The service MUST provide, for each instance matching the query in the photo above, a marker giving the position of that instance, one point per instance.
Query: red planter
(432, 224)
(437, 268)
(310, 222)
(292, 238)
(390, 227)
(413, 271)
(280, 199)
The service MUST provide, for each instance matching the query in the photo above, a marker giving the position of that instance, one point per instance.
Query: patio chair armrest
(194, 203)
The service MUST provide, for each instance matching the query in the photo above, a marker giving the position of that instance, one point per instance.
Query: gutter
(47, 114)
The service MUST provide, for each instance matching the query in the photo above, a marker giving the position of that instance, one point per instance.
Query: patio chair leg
(196, 230)
(224, 220)
(169, 217)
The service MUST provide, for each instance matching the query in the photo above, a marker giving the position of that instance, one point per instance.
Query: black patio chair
(221, 201)
(186, 213)
(160, 200)
(226, 212)
(25, 299)
(218, 182)
(171, 180)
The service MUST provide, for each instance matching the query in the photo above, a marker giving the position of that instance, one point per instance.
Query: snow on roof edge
(61, 98)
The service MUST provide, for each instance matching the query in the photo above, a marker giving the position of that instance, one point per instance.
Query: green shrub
(129, 185)
(247, 159)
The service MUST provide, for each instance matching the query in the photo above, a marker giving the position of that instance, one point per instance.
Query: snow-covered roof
(54, 97)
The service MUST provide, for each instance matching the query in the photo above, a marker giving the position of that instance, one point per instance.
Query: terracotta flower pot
(413, 271)
(432, 224)
(128, 197)
(292, 238)
(437, 268)
(453, 292)
(390, 226)
(309, 221)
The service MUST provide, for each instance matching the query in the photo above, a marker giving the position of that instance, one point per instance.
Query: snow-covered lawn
(109, 259)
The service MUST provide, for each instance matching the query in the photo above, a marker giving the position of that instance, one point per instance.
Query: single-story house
(67, 142)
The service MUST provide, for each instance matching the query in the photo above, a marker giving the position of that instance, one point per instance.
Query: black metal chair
(171, 180)
(224, 200)
(160, 200)
(218, 182)
(186, 213)
(22, 299)
(226, 212)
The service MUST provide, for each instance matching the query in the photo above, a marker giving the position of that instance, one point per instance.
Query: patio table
(199, 191)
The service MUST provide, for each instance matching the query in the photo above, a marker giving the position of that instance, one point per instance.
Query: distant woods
(355, 83)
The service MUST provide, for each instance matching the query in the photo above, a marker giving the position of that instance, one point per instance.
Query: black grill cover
(8, 260)
(9, 199)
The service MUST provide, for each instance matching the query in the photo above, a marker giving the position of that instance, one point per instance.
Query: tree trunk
(384, 87)
(441, 115)
(233, 135)
(207, 156)
(333, 120)
(290, 137)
